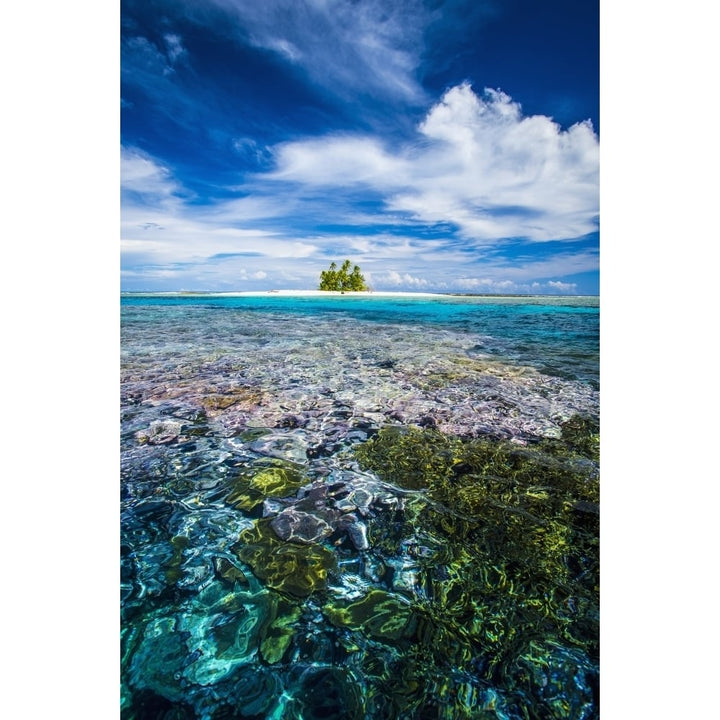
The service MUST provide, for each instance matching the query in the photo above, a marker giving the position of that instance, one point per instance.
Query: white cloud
(347, 47)
(481, 166)
(283, 47)
(142, 174)
(520, 269)
(338, 161)
(142, 55)
(174, 47)
(486, 284)
(394, 278)
(562, 286)
(232, 274)
(158, 226)
(498, 287)
(188, 237)
(480, 173)
(144, 58)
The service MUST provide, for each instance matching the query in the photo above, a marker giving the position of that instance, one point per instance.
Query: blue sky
(442, 146)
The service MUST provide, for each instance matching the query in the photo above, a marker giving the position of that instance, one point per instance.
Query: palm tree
(342, 279)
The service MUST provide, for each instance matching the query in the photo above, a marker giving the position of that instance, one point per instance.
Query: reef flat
(359, 507)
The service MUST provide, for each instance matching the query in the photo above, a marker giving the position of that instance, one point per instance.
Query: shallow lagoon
(359, 507)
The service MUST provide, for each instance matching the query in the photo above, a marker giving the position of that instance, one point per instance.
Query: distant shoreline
(331, 293)
(284, 293)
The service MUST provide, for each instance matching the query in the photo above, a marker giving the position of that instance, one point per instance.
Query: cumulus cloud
(394, 278)
(479, 165)
(562, 287)
(486, 284)
(492, 286)
(479, 173)
(340, 161)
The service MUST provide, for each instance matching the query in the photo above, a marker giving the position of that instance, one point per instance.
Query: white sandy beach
(310, 293)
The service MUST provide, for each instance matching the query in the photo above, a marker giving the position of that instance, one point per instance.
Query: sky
(443, 146)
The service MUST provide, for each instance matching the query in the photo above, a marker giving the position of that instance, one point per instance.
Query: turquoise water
(559, 335)
(359, 507)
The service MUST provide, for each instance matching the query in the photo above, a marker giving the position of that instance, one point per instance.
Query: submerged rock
(160, 432)
(357, 531)
(354, 498)
(158, 662)
(286, 446)
(213, 634)
(249, 691)
(297, 526)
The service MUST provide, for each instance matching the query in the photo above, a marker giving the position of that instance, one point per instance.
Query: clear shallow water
(359, 507)
(556, 334)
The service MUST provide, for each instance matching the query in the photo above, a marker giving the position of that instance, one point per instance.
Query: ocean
(359, 506)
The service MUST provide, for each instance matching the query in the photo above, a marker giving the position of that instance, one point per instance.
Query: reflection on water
(357, 514)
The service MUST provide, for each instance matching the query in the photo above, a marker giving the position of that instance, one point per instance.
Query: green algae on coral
(285, 566)
(228, 572)
(557, 678)
(280, 631)
(172, 569)
(274, 478)
(409, 457)
(519, 529)
(378, 614)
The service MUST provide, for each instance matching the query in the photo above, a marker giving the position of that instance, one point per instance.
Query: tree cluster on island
(343, 279)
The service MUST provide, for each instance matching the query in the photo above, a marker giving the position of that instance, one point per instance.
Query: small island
(343, 280)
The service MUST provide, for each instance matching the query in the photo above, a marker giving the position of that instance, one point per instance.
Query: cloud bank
(478, 165)
(477, 175)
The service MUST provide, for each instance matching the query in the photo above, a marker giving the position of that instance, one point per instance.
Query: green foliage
(342, 280)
